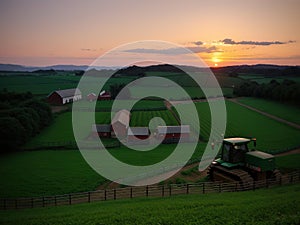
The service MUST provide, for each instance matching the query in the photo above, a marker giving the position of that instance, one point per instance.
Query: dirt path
(266, 114)
(295, 151)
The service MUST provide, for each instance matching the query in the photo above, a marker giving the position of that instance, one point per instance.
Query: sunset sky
(222, 32)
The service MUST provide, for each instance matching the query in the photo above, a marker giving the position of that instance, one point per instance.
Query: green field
(284, 111)
(123, 104)
(51, 172)
(272, 136)
(45, 173)
(61, 129)
(288, 162)
(261, 79)
(142, 118)
(270, 206)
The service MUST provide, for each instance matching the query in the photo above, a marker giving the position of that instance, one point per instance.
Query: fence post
(220, 187)
(147, 191)
(31, 202)
(170, 190)
(187, 189)
(105, 194)
(291, 178)
(70, 199)
(4, 203)
(162, 190)
(267, 183)
(16, 203)
(43, 201)
(115, 194)
(131, 192)
(203, 188)
(236, 184)
(280, 180)
(253, 186)
(55, 200)
(89, 197)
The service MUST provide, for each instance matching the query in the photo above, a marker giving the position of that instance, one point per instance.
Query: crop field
(37, 173)
(142, 118)
(271, 135)
(288, 162)
(45, 84)
(122, 104)
(260, 79)
(284, 111)
(268, 206)
(51, 172)
(61, 129)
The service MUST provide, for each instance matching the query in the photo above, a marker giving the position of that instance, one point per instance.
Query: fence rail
(144, 191)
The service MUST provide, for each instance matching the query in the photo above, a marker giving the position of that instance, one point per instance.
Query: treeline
(22, 116)
(286, 91)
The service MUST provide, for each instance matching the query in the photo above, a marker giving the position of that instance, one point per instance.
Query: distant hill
(265, 70)
(20, 68)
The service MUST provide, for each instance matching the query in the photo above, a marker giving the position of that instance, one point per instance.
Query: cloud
(198, 42)
(88, 49)
(228, 41)
(175, 51)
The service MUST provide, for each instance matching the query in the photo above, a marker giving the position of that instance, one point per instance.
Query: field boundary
(297, 126)
(145, 191)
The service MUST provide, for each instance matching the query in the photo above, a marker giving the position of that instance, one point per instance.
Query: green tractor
(238, 163)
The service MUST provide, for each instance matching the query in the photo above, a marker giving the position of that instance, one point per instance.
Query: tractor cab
(234, 151)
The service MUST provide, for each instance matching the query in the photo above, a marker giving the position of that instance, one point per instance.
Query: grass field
(261, 79)
(140, 105)
(270, 206)
(47, 172)
(142, 118)
(288, 162)
(271, 135)
(61, 129)
(284, 111)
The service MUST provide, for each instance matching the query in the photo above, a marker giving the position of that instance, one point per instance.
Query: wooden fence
(144, 191)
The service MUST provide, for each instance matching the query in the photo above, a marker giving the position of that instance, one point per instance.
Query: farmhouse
(120, 122)
(138, 135)
(171, 134)
(62, 97)
(91, 97)
(104, 95)
(101, 130)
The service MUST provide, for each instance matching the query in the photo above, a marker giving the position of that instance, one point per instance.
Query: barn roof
(67, 92)
(138, 131)
(101, 128)
(173, 129)
(122, 116)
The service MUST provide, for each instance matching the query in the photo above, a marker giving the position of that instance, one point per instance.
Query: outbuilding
(91, 97)
(104, 95)
(138, 135)
(120, 122)
(172, 134)
(61, 97)
(101, 130)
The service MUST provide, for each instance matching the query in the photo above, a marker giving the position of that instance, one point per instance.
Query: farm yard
(52, 169)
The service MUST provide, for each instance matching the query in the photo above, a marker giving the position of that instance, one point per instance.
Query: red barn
(62, 97)
(104, 96)
(172, 134)
(101, 130)
(138, 135)
(120, 122)
(91, 97)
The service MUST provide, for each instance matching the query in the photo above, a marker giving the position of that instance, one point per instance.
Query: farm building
(138, 135)
(101, 130)
(62, 97)
(172, 134)
(120, 122)
(104, 95)
(91, 97)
